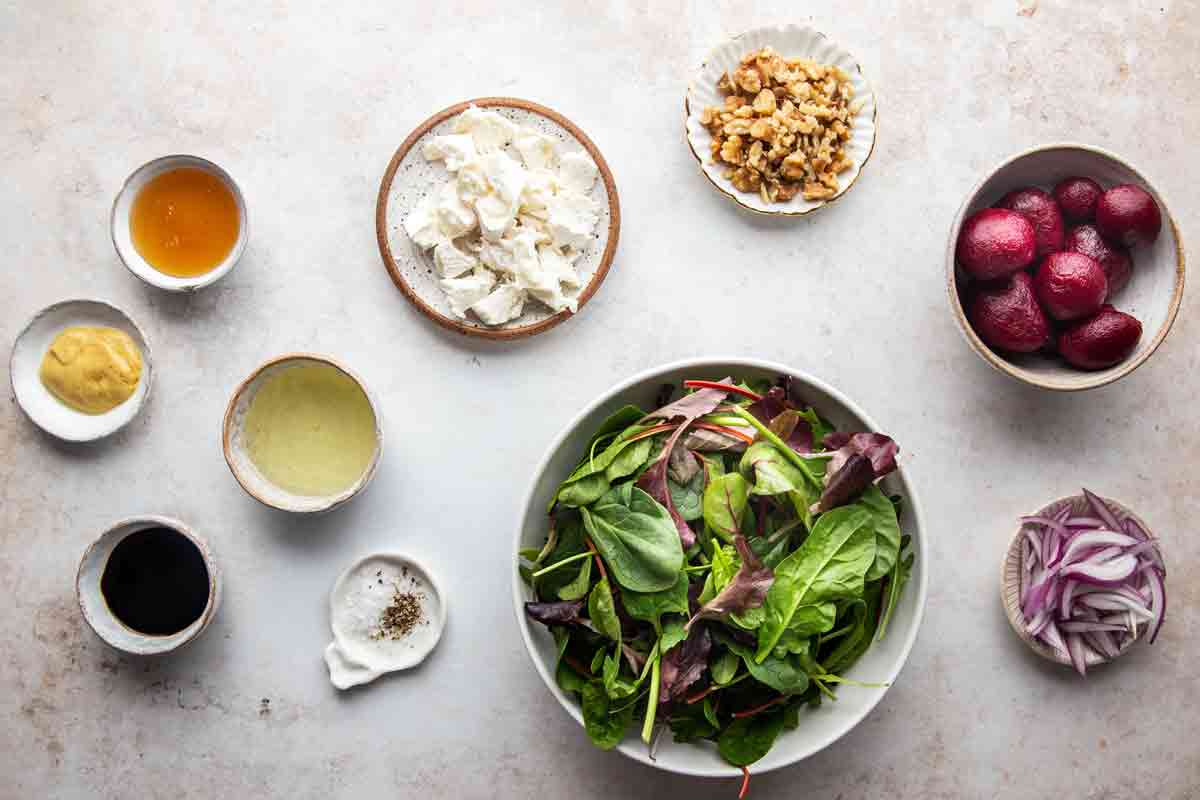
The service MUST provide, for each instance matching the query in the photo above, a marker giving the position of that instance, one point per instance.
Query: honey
(184, 222)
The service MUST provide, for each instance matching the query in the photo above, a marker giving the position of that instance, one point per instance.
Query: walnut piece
(784, 126)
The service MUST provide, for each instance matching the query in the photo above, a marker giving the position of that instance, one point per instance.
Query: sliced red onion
(1112, 601)
(1052, 636)
(1078, 655)
(1033, 538)
(1102, 510)
(1084, 626)
(1158, 603)
(1102, 642)
(1068, 593)
(1110, 572)
(1039, 622)
(1048, 522)
(1094, 539)
(1084, 522)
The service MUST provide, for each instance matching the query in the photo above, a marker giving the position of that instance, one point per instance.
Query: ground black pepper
(399, 618)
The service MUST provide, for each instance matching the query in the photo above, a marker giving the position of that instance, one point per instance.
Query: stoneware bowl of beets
(880, 664)
(1064, 267)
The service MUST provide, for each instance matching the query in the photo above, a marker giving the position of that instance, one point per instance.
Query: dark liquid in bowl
(155, 581)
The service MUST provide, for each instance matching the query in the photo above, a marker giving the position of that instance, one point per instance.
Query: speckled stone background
(304, 104)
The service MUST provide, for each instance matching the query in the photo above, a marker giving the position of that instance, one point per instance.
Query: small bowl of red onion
(1083, 580)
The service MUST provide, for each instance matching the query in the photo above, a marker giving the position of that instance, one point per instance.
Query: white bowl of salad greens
(709, 556)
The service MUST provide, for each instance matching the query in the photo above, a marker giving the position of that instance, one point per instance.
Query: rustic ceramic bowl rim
(499, 333)
(1010, 586)
(922, 544)
(732, 195)
(147, 364)
(214, 585)
(228, 427)
(148, 274)
(1082, 380)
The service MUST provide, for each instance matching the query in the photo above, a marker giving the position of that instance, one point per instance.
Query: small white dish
(790, 41)
(243, 468)
(96, 612)
(123, 241)
(358, 599)
(47, 411)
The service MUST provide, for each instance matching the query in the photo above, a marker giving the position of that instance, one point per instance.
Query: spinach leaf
(603, 612)
(689, 723)
(807, 621)
(650, 606)
(595, 475)
(688, 497)
(850, 647)
(569, 527)
(830, 564)
(568, 679)
(724, 505)
(887, 531)
(637, 538)
(724, 667)
(673, 633)
(772, 472)
(605, 730)
(747, 739)
(783, 674)
(613, 425)
(578, 587)
(900, 575)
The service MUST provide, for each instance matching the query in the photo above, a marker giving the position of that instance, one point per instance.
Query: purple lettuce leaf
(684, 663)
(747, 590)
(690, 406)
(846, 484)
(794, 430)
(880, 449)
(770, 405)
(565, 612)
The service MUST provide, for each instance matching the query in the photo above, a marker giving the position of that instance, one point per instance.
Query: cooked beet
(1008, 317)
(1077, 198)
(1129, 215)
(1040, 209)
(995, 243)
(1099, 342)
(1070, 285)
(1113, 258)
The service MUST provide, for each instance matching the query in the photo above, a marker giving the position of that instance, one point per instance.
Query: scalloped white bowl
(882, 663)
(790, 41)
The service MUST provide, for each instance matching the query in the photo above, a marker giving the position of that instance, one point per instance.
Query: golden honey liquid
(184, 222)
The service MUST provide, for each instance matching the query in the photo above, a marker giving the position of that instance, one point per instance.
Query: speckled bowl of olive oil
(302, 434)
(179, 223)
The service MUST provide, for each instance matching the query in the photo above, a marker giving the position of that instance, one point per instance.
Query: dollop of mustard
(92, 370)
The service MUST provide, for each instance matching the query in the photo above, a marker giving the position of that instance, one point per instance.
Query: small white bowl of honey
(179, 223)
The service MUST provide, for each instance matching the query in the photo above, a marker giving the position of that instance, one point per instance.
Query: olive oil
(184, 222)
(155, 581)
(310, 430)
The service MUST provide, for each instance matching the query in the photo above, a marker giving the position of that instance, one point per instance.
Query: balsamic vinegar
(155, 581)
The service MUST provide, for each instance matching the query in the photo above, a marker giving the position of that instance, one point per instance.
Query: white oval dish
(358, 598)
(882, 663)
(243, 468)
(1153, 294)
(123, 242)
(96, 612)
(47, 411)
(790, 41)
(409, 177)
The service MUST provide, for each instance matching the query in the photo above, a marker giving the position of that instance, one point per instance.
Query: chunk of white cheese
(454, 149)
(556, 264)
(452, 262)
(578, 172)
(421, 224)
(504, 304)
(454, 217)
(466, 292)
(571, 220)
(536, 149)
(489, 131)
(497, 210)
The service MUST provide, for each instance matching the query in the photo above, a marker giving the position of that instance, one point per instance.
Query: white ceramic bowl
(1152, 295)
(47, 411)
(95, 609)
(122, 241)
(881, 663)
(234, 445)
(790, 41)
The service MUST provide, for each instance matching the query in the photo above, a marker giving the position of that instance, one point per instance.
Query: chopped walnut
(784, 126)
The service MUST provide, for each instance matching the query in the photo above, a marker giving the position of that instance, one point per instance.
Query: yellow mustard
(92, 370)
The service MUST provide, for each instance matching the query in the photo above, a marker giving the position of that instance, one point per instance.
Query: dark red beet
(1100, 341)
(1039, 208)
(1114, 259)
(1070, 285)
(1008, 317)
(1129, 215)
(994, 243)
(1077, 198)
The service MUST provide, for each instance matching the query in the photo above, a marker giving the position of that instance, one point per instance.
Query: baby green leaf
(724, 668)
(887, 531)
(605, 730)
(578, 587)
(747, 739)
(602, 611)
(650, 606)
(773, 473)
(724, 504)
(830, 564)
(637, 538)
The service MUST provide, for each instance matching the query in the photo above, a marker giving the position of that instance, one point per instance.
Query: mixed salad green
(717, 564)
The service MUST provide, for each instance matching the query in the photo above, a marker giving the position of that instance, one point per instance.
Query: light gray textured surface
(304, 105)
